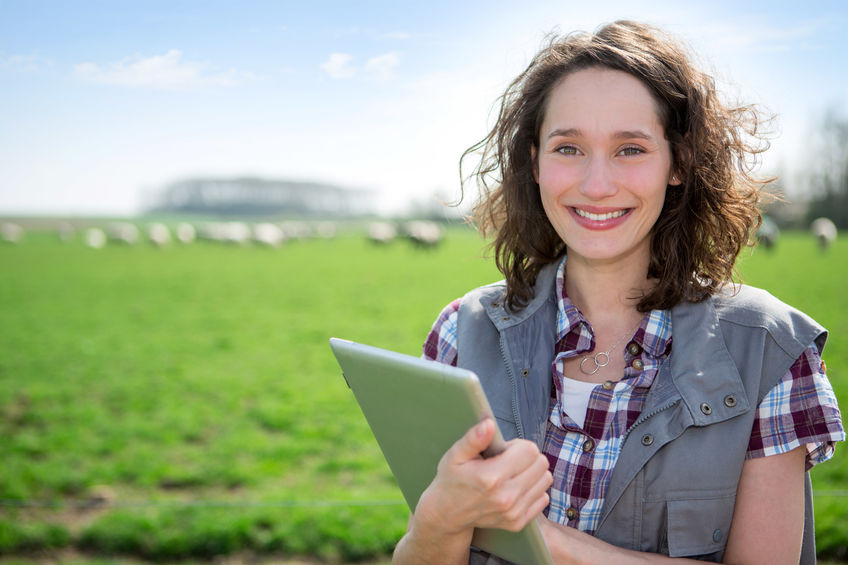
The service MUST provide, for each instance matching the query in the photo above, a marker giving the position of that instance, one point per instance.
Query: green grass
(192, 388)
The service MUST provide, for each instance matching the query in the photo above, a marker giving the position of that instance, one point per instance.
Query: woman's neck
(607, 294)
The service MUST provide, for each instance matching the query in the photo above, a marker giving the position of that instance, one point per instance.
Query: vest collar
(502, 317)
(701, 366)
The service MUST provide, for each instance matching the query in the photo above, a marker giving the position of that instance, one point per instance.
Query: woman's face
(603, 166)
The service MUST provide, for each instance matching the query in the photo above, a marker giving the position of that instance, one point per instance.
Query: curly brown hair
(704, 222)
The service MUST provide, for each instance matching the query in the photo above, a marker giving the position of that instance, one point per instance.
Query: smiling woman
(649, 418)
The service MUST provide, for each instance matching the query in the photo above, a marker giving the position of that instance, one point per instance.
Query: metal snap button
(706, 409)
(495, 304)
(505, 319)
(638, 365)
(730, 401)
(608, 385)
(588, 446)
(571, 513)
(633, 348)
(647, 440)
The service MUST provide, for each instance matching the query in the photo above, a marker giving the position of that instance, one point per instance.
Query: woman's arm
(767, 527)
(505, 491)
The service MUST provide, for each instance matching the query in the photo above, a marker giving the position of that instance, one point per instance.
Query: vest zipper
(508, 364)
(644, 417)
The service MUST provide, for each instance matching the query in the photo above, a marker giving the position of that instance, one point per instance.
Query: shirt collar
(653, 335)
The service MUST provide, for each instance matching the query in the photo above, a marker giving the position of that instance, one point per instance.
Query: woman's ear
(675, 179)
(535, 163)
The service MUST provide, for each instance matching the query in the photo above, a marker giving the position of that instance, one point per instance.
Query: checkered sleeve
(801, 409)
(441, 342)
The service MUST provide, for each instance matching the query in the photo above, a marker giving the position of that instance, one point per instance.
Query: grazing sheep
(326, 230)
(768, 234)
(295, 230)
(159, 234)
(381, 232)
(268, 234)
(11, 233)
(123, 232)
(95, 238)
(186, 233)
(424, 234)
(237, 232)
(825, 232)
(65, 231)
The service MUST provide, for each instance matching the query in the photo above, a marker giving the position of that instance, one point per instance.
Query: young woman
(655, 409)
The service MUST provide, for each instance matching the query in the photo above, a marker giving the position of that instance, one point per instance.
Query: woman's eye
(567, 150)
(628, 151)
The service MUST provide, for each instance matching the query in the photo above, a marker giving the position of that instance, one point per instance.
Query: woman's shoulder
(749, 305)
(753, 307)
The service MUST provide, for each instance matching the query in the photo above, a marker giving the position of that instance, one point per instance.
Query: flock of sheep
(823, 229)
(421, 233)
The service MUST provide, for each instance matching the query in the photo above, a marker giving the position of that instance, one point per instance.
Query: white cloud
(400, 35)
(339, 66)
(382, 66)
(24, 62)
(168, 71)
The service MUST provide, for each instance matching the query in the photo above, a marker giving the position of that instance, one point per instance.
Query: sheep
(424, 234)
(65, 231)
(159, 234)
(295, 230)
(768, 234)
(268, 234)
(123, 232)
(825, 232)
(326, 230)
(381, 233)
(95, 238)
(11, 233)
(186, 233)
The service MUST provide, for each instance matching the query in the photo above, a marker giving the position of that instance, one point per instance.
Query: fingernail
(481, 428)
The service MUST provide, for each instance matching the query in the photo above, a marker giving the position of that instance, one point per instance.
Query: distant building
(261, 197)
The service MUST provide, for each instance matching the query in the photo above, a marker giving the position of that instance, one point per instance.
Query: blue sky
(101, 102)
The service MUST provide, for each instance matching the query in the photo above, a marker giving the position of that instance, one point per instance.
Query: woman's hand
(505, 491)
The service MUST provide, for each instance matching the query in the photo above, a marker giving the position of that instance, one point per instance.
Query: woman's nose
(597, 183)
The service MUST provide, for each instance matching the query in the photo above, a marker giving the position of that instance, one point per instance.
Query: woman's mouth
(600, 217)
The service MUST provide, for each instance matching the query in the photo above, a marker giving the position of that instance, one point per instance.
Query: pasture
(182, 403)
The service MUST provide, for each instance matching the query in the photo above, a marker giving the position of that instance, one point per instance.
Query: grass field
(182, 403)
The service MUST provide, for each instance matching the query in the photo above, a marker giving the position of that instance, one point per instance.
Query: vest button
(571, 513)
(608, 385)
(730, 401)
(637, 364)
(588, 446)
(717, 535)
(633, 348)
(647, 440)
(706, 409)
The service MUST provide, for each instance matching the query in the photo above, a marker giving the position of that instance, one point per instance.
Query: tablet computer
(417, 409)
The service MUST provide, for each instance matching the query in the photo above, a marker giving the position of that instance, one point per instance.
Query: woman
(654, 408)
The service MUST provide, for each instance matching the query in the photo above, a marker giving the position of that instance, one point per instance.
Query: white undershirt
(575, 399)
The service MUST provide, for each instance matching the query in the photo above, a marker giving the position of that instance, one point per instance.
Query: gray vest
(673, 488)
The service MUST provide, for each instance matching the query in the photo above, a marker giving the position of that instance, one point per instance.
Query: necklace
(602, 358)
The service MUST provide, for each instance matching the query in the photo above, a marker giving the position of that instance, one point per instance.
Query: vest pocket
(699, 526)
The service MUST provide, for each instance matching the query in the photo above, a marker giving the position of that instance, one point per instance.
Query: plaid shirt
(800, 410)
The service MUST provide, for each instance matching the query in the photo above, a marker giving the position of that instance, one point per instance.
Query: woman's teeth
(600, 217)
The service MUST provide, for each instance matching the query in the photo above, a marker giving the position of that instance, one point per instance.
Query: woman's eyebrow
(624, 134)
(629, 134)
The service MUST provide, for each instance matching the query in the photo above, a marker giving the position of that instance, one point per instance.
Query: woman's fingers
(470, 445)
